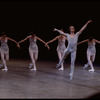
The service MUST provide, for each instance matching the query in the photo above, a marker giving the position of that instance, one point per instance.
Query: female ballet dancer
(4, 49)
(33, 49)
(60, 48)
(91, 51)
(72, 45)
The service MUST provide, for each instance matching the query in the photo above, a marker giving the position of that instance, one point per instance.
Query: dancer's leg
(3, 61)
(93, 57)
(1, 64)
(73, 58)
(32, 60)
(60, 57)
(66, 52)
(7, 56)
(90, 62)
(86, 65)
(36, 56)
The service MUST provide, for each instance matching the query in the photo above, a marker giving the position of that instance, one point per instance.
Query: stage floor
(47, 82)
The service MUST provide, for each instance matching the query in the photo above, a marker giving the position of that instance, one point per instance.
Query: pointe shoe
(30, 66)
(71, 76)
(5, 69)
(33, 69)
(61, 68)
(85, 66)
(57, 66)
(91, 70)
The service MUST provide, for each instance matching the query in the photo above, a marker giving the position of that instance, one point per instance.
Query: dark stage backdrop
(18, 18)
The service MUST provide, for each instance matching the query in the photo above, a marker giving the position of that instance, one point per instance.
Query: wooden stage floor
(47, 82)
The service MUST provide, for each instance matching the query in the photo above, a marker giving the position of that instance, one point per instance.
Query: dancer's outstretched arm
(97, 41)
(53, 40)
(83, 41)
(60, 31)
(11, 40)
(42, 42)
(83, 28)
(24, 39)
(14, 41)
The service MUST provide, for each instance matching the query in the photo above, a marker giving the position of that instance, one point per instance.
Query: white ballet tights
(33, 57)
(60, 55)
(4, 61)
(73, 58)
(91, 59)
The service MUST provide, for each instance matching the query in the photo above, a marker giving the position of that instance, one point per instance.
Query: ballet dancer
(60, 48)
(4, 49)
(72, 45)
(33, 49)
(91, 51)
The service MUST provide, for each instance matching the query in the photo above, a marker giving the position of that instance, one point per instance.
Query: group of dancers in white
(62, 50)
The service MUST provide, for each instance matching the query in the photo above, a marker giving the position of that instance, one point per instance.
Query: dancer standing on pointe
(60, 48)
(33, 49)
(72, 45)
(5, 49)
(91, 51)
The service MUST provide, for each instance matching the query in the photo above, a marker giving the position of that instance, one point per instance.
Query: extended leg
(66, 52)
(86, 65)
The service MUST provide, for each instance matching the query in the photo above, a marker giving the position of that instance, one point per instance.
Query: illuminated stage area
(47, 81)
(27, 22)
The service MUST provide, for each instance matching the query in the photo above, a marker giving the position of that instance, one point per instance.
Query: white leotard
(61, 45)
(33, 46)
(91, 48)
(72, 42)
(4, 47)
